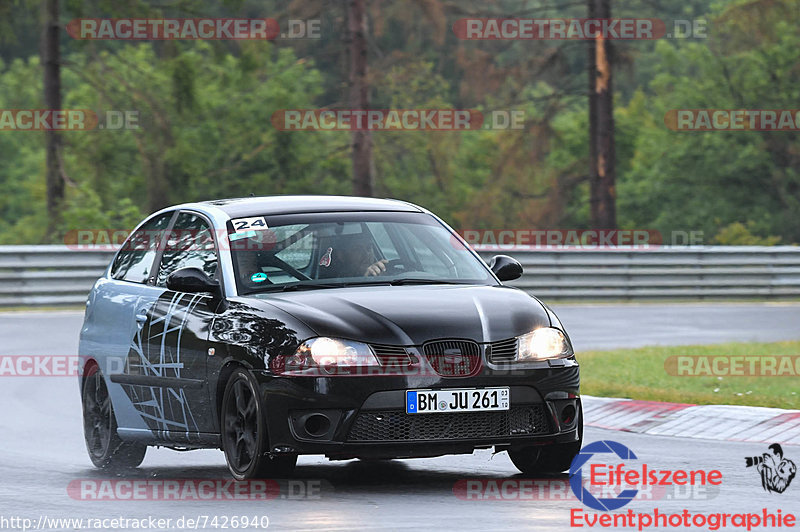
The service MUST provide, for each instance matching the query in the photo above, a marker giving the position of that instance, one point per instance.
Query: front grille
(453, 358)
(503, 351)
(396, 425)
(391, 355)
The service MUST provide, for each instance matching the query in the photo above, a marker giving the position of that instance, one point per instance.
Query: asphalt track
(43, 451)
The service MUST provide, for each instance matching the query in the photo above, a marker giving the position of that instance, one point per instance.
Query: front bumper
(364, 416)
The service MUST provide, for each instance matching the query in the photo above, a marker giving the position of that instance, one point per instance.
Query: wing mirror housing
(505, 267)
(195, 281)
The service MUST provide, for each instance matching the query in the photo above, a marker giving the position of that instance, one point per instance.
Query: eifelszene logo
(622, 481)
(776, 471)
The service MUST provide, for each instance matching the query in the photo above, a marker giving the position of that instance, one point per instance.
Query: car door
(110, 330)
(173, 396)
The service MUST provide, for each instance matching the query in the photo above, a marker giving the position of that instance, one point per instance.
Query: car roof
(267, 205)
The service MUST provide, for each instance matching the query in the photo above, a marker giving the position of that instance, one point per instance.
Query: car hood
(413, 315)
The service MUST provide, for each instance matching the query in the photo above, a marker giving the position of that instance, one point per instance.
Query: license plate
(460, 400)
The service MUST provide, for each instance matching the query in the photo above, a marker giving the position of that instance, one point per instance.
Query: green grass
(641, 374)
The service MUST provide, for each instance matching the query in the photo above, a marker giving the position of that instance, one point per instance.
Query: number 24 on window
(244, 224)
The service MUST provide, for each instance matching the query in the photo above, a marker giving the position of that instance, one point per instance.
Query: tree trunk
(361, 141)
(51, 64)
(602, 176)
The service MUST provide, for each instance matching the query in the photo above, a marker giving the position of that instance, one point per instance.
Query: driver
(248, 268)
(354, 257)
(247, 254)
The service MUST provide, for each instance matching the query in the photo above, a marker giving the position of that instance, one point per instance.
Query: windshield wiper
(400, 282)
(397, 282)
(320, 286)
(296, 286)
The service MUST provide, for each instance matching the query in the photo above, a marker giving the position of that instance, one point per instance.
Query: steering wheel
(398, 266)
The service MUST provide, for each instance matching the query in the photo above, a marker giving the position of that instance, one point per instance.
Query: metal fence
(56, 275)
(48, 275)
(709, 272)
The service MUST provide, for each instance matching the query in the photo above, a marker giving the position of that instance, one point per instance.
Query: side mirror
(505, 268)
(192, 280)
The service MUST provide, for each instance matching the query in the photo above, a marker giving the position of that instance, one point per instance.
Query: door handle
(141, 317)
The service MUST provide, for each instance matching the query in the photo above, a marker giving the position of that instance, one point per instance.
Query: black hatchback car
(350, 327)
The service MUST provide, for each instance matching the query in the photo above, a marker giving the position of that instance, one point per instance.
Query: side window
(190, 244)
(135, 259)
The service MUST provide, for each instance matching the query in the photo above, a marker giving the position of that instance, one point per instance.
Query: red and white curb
(708, 422)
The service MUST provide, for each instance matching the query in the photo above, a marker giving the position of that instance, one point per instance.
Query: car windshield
(286, 252)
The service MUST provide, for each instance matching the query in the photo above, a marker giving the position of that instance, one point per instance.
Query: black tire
(244, 432)
(105, 448)
(549, 459)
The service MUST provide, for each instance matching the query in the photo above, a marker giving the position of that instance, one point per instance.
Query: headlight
(331, 353)
(542, 344)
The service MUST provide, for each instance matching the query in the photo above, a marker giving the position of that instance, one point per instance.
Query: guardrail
(48, 275)
(709, 272)
(56, 275)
